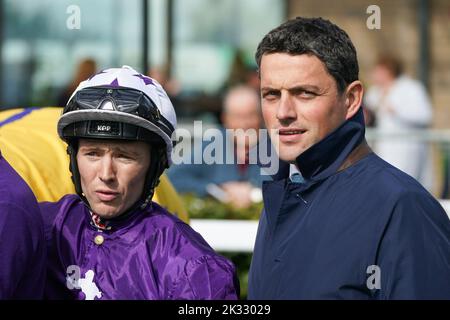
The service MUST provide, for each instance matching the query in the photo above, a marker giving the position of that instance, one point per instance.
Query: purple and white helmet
(120, 104)
(119, 95)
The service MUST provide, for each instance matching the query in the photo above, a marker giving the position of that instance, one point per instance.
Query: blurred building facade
(198, 40)
(41, 43)
(417, 31)
(206, 44)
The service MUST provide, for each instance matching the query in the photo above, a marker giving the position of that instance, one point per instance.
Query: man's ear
(353, 98)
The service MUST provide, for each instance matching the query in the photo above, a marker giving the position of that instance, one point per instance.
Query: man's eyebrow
(265, 89)
(306, 87)
(126, 151)
(90, 147)
(114, 149)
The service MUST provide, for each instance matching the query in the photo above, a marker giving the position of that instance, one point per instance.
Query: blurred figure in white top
(400, 103)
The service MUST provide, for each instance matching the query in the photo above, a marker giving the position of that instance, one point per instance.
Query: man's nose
(286, 109)
(107, 171)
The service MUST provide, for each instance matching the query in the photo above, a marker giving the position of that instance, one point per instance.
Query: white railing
(239, 235)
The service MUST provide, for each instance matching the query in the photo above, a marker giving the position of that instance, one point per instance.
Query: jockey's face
(112, 174)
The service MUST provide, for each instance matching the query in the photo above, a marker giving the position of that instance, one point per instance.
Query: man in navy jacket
(339, 222)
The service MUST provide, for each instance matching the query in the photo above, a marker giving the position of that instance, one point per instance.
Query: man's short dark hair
(318, 37)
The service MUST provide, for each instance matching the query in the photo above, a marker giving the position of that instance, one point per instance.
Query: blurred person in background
(238, 183)
(241, 73)
(162, 75)
(252, 78)
(398, 104)
(238, 71)
(85, 69)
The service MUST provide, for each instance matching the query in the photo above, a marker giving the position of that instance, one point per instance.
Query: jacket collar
(326, 157)
(123, 221)
(318, 162)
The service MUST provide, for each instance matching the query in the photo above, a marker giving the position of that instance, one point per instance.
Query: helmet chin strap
(158, 163)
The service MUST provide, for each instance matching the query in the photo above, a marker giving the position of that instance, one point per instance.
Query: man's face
(300, 102)
(243, 115)
(112, 174)
(242, 111)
